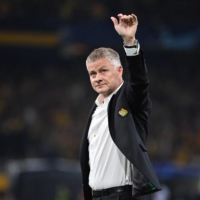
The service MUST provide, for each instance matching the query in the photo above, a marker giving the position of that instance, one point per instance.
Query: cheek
(113, 81)
(92, 82)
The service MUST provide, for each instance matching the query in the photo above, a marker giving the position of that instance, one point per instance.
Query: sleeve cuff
(132, 50)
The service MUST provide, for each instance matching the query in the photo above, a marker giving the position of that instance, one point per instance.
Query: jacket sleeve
(137, 93)
(87, 192)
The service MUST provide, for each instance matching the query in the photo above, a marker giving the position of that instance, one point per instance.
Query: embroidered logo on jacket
(123, 112)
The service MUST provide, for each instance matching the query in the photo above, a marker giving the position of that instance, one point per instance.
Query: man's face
(104, 77)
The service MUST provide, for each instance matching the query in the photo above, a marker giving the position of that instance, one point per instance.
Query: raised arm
(137, 91)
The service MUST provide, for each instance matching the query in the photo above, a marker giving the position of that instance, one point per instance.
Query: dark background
(45, 94)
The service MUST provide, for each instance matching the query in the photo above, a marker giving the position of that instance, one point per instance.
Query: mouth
(100, 85)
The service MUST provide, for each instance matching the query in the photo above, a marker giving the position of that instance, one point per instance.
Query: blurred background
(45, 93)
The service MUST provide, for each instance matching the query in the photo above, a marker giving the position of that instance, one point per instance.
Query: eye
(104, 70)
(92, 74)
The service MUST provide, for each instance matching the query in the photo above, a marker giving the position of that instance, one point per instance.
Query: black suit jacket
(129, 131)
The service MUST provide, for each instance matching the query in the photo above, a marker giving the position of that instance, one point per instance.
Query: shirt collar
(107, 99)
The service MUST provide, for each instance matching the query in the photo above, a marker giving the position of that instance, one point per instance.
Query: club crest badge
(123, 112)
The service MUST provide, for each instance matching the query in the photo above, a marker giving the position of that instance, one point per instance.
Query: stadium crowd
(44, 104)
(43, 109)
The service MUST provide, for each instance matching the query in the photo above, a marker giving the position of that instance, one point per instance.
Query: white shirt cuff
(132, 51)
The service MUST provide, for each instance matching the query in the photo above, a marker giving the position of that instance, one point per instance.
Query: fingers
(129, 19)
(135, 20)
(120, 15)
(114, 20)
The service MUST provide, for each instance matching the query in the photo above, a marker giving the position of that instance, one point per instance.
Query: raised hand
(126, 27)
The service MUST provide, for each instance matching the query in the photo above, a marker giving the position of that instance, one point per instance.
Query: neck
(103, 96)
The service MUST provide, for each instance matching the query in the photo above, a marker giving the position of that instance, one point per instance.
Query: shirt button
(94, 135)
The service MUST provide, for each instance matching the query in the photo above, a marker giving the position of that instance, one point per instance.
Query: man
(113, 156)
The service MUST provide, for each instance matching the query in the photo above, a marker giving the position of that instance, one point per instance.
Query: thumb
(114, 20)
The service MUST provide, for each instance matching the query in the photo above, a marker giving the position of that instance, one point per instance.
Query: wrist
(130, 42)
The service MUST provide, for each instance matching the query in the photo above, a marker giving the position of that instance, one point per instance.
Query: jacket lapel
(84, 154)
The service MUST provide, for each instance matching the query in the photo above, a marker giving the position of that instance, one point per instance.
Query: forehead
(98, 64)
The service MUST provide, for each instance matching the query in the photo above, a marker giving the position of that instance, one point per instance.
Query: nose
(98, 78)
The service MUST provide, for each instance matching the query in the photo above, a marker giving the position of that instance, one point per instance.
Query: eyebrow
(97, 70)
(89, 72)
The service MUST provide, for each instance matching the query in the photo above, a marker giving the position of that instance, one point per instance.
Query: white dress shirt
(108, 166)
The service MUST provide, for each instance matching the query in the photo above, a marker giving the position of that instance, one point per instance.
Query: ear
(120, 70)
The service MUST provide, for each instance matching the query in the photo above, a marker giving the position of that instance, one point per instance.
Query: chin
(101, 91)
